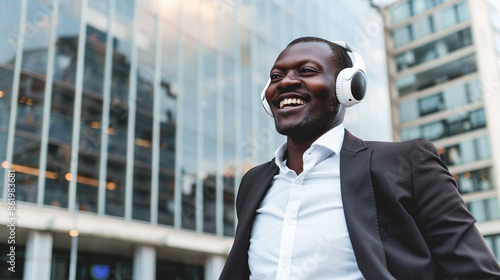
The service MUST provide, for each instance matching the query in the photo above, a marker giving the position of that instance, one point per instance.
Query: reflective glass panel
(9, 31)
(451, 98)
(168, 118)
(453, 125)
(474, 180)
(484, 210)
(189, 160)
(59, 150)
(144, 116)
(118, 119)
(90, 145)
(466, 151)
(441, 74)
(434, 50)
(439, 20)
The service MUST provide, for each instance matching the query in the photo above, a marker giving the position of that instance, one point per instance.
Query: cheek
(268, 98)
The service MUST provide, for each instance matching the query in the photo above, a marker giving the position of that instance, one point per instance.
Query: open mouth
(291, 102)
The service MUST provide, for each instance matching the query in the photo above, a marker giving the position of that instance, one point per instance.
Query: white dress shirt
(299, 230)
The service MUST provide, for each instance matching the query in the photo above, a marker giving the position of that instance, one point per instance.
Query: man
(331, 206)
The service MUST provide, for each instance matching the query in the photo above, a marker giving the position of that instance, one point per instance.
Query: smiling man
(332, 206)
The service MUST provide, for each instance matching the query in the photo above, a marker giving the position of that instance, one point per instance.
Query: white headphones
(350, 84)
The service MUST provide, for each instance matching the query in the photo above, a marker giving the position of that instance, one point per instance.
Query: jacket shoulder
(402, 147)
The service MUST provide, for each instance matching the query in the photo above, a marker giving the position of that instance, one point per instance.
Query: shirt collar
(332, 140)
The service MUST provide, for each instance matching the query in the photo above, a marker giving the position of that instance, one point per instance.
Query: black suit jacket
(404, 215)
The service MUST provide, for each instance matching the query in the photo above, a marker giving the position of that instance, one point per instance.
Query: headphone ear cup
(350, 86)
(264, 101)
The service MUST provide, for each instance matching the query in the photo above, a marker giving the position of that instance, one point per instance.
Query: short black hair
(339, 54)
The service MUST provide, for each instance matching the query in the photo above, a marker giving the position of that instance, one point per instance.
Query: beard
(312, 126)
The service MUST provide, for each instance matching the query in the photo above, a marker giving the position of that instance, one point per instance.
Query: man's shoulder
(256, 170)
(418, 142)
(410, 150)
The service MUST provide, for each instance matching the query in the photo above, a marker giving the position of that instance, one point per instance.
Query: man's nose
(288, 83)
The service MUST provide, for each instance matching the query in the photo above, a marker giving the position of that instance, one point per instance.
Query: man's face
(302, 91)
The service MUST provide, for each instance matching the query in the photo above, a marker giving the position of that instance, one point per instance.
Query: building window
(430, 104)
(493, 242)
(438, 21)
(466, 151)
(400, 12)
(402, 36)
(484, 210)
(434, 50)
(405, 10)
(92, 266)
(173, 270)
(451, 98)
(438, 75)
(474, 181)
(448, 127)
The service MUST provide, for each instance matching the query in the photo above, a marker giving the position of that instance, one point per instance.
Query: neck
(295, 151)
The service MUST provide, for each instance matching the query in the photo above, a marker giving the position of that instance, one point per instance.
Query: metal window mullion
(270, 127)
(199, 129)
(132, 98)
(155, 169)
(253, 89)
(106, 107)
(219, 179)
(15, 93)
(75, 138)
(46, 103)
(180, 123)
(237, 108)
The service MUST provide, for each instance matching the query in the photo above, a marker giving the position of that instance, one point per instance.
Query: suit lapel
(238, 266)
(360, 209)
(259, 187)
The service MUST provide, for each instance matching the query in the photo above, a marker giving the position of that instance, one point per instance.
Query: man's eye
(274, 76)
(307, 70)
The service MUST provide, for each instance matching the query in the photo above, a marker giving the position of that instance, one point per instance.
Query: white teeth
(288, 101)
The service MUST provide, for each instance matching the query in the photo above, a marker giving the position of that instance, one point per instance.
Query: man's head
(302, 89)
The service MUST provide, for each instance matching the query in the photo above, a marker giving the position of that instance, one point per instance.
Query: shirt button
(283, 263)
(298, 182)
(290, 221)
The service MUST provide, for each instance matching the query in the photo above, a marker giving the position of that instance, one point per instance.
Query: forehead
(317, 52)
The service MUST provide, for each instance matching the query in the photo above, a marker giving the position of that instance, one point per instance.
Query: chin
(299, 132)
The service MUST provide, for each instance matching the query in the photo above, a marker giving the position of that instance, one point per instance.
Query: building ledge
(57, 220)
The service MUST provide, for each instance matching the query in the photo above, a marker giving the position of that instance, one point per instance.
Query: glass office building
(443, 63)
(133, 122)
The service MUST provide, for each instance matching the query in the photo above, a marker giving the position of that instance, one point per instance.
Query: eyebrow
(300, 62)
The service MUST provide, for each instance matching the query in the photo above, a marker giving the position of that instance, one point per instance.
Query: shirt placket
(290, 219)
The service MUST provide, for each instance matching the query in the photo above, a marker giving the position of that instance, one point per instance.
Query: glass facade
(484, 210)
(467, 151)
(494, 242)
(450, 126)
(434, 50)
(440, 20)
(453, 98)
(407, 9)
(91, 266)
(474, 180)
(438, 75)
